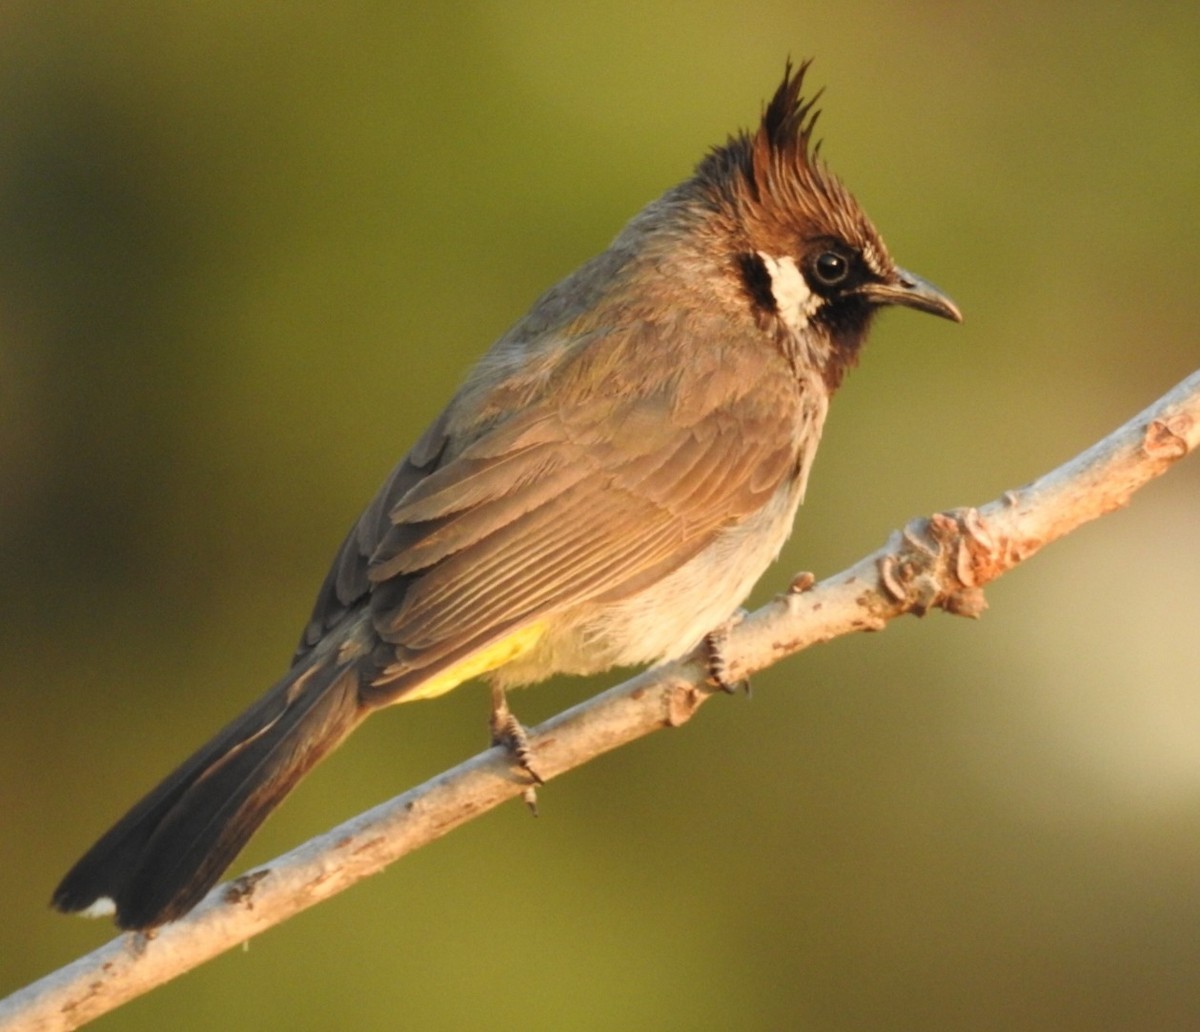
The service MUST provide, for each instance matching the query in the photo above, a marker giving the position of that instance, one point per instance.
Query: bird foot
(509, 732)
(716, 661)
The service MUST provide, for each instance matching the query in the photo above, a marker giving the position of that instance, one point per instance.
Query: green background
(247, 250)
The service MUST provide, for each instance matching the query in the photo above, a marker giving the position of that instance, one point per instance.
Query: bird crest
(779, 187)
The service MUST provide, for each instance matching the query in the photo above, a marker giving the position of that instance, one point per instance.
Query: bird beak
(913, 292)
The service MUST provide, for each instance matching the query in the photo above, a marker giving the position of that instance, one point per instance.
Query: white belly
(669, 618)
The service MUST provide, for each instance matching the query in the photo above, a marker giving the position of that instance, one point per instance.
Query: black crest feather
(776, 184)
(788, 121)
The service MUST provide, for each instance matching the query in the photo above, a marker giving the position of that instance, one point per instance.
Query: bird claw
(717, 663)
(509, 732)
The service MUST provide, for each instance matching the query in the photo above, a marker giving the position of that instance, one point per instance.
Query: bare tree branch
(940, 562)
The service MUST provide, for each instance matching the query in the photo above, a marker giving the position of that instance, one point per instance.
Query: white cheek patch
(795, 302)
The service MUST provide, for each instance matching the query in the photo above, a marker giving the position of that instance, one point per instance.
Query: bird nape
(605, 489)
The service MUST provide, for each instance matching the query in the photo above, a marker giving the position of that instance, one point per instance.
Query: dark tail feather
(160, 859)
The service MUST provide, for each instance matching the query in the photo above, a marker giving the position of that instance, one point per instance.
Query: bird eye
(830, 268)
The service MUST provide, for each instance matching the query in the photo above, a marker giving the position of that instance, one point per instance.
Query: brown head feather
(780, 190)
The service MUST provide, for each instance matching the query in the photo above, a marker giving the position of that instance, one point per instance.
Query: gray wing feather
(580, 495)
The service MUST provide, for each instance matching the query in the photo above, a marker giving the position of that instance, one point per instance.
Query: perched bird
(605, 488)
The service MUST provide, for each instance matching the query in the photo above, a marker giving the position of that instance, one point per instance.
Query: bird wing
(600, 487)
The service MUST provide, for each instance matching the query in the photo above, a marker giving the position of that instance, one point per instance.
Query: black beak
(913, 292)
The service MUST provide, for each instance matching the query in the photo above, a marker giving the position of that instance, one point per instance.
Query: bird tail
(159, 860)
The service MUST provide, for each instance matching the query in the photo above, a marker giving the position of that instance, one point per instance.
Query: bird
(604, 490)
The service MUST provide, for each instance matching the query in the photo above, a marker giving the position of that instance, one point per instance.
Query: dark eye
(830, 268)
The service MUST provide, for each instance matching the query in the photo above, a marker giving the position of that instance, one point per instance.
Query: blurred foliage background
(246, 251)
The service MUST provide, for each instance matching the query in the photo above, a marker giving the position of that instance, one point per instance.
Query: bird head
(801, 250)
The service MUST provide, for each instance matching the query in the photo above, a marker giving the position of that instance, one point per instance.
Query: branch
(941, 562)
